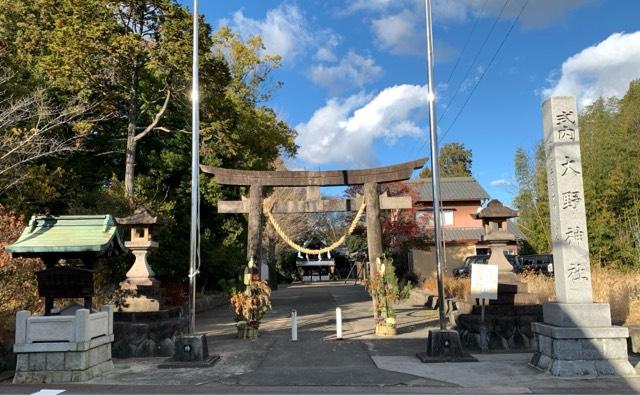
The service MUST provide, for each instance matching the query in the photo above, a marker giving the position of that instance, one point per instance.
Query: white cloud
(501, 182)
(353, 70)
(538, 13)
(398, 33)
(403, 34)
(602, 70)
(285, 31)
(324, 55)
(343, 130)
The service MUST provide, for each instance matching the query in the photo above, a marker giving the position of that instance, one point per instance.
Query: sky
(354, 73)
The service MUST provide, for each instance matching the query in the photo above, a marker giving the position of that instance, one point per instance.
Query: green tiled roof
(68, 234)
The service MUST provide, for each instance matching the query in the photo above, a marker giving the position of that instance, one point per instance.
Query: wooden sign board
(484, 281)
(65, 282)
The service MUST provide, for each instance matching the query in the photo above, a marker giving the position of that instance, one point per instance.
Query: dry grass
(620, 290)
(453, 287)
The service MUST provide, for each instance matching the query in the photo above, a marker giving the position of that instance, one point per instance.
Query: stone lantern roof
(141, 216)
(495, 209)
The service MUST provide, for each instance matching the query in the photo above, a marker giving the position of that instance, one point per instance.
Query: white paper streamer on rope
(266, 209)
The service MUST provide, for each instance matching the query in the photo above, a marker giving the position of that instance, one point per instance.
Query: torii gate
(256, 181)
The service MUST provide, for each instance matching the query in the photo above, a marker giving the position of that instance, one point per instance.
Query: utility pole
(435, 171)
(194, 247)
(442, 345)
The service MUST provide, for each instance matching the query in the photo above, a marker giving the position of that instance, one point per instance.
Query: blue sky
(354, 73)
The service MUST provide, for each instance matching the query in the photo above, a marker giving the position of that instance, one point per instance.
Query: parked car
(465, 269)
(539, 264)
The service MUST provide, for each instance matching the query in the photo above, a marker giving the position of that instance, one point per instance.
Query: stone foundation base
(566, 352)
(63, 366)
(147, 334)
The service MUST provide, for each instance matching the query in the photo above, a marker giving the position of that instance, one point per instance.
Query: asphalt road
(318, 363)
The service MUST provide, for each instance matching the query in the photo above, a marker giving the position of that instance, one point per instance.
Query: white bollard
(294, 326)
(338, 323)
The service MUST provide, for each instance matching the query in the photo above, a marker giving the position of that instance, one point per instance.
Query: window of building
(425, 217)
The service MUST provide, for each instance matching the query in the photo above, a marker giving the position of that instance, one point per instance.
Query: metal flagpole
(435, 176)
(194, 248)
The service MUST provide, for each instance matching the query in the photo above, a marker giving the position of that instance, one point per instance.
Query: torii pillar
(370, 178)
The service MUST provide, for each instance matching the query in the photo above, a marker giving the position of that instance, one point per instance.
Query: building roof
(451, 189)
(68, 235)
(495, 209)
(452, 234)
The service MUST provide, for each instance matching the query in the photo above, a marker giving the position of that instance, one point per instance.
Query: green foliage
(611, 173)
(532, 200)
(119, 59)
(454, 160)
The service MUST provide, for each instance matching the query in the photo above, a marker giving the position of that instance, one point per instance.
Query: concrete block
(21, 326)
(634, 339)
(604, 348)
(60, 376)
(37, 361)
(615, 367)
(55, 360)
(579, 333)
(191, 348)
(572, 315)
(575, 368)
(82, 325)
(22, 363)
(76, 360)
(566, 349)
(545, 345)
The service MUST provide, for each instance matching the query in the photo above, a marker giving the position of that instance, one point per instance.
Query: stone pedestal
(65, 348)
(141, 281)
(579, 340)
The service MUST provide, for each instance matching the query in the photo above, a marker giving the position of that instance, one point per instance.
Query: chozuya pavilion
(72, 343)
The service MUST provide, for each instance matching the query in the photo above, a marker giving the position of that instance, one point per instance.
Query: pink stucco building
(462, 197)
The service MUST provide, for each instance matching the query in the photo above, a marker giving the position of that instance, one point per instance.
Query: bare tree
(30, 131)
(295, 225)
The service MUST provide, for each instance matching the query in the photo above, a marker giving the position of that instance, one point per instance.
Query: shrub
(383, 287)
(18, 286)
(250, 305)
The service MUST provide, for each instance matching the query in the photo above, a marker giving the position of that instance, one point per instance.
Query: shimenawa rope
(266, 209)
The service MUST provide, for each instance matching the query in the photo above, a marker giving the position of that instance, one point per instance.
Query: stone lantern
(499, 239)
(140, 278)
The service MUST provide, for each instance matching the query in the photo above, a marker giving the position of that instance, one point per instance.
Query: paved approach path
(317, 363)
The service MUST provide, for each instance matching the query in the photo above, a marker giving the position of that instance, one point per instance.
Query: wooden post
(254, 239)
(374, 232)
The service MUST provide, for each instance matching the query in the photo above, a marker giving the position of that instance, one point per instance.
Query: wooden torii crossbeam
(370, 178)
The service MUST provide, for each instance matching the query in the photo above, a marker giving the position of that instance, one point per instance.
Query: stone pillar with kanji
(576, 337)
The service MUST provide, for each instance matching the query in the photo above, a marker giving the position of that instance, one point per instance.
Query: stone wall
(508, 326)
(153, 334)
(62, 367)
(7, 357)
(147, 334)
(208, 302)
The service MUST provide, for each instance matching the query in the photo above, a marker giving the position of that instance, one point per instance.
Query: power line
(513, 24)
(475, 59)
(466, 44)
